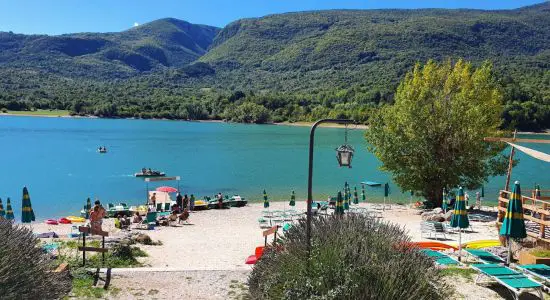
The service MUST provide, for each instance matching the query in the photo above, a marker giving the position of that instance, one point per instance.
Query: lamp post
(344, 156)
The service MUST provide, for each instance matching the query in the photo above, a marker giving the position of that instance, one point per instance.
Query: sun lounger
(440, 258)
(433, 228)
(485, 256)
(150, 221)
(515, 282)
(159, 206)
(539, 271)
(166, 206)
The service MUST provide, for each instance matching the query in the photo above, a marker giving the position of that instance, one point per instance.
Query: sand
(216, 245)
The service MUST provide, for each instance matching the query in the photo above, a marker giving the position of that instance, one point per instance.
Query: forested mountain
(294, 66)
(162, 43)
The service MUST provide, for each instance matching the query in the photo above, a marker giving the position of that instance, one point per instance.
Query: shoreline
(294, 124)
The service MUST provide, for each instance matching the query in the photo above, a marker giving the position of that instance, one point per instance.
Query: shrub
(25, 269)
(352, 258)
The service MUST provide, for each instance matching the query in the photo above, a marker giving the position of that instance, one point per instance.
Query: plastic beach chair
(159, 206)
(440, 258)
(515, 282)
(485, 256)
(539, 271)
(166, 206)
(150, 220)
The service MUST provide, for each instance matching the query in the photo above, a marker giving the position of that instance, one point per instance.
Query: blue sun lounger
(485, 256)
(515, 282)
(440, 258)
(538, 271)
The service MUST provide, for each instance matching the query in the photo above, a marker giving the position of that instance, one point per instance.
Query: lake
(57, 159)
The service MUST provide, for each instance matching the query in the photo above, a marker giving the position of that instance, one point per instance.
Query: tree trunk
(434, 195)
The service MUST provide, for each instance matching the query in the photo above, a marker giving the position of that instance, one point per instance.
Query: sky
(67, 16)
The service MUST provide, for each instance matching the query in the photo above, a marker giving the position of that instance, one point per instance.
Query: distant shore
(65, 114)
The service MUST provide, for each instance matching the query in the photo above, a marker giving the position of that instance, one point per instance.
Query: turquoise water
(56, 159)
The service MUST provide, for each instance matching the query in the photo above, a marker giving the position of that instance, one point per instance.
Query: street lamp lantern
(344, 154)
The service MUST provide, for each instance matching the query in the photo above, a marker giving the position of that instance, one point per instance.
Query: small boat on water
(150, 174)
(102, 150)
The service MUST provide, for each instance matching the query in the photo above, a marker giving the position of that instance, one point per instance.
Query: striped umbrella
(2, 211)
(444, 205)
(266, 202)
(460, 217)
(9, 210)
(27, 214)
(292, 199)
(363, 195)
(513, 225)
(339, 210)
(346, 199)
(355, 198)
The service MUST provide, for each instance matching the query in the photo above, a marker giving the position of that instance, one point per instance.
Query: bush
(25, 267)
(352, 258)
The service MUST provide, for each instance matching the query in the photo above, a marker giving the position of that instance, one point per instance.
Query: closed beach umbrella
(2, 211)
(460, 217)
(355, 197)
(513, 225)
(444, 205)
(9, 210)
(346, 198)
(266, 202)
(537, 191)
(292, 199)
(339, 204)
(386, 193)
(88, 207)
(363, 195)
(27, 214)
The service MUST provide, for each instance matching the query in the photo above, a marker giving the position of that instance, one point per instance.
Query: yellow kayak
(481, 244)
(75, 219)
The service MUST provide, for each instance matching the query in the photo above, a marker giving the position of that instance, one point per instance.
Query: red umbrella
(167, 189)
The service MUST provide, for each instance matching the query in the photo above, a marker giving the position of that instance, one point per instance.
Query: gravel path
(203, 284)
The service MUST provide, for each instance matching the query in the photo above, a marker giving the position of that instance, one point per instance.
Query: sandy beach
(213, 248)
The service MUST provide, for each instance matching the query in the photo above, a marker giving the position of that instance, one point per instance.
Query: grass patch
(540, 253)
(39, 112)
(466, 273)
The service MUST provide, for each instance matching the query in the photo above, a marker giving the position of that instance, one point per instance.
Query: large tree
(432, 137)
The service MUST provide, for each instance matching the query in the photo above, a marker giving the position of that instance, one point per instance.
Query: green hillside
(103, 56)
(285, 67)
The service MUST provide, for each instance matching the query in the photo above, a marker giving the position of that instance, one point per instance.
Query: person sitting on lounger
(137, 218)
(184, 217)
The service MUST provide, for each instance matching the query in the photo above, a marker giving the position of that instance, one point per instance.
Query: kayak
(481, 244)
(64, 221)
(51, 222)
(75, 219)
(434, 245)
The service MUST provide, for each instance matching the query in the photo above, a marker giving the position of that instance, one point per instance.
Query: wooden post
(103, 246)
(84, 251)
(510, 163)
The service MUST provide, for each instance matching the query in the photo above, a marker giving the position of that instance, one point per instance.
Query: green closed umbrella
(513, 225)
(266, 201)
(386, 193)
(9, 210)
(363, 195)
(355, 197)
(88, 207)
(292, 199)
(482, 192)
(2, 211)
(346, 198)
(27, 214)
(339, 210)
(537, 191)
(460, 217)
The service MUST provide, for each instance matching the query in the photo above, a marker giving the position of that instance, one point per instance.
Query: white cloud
(136, 24)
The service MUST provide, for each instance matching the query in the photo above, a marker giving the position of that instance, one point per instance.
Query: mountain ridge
(299, 65)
